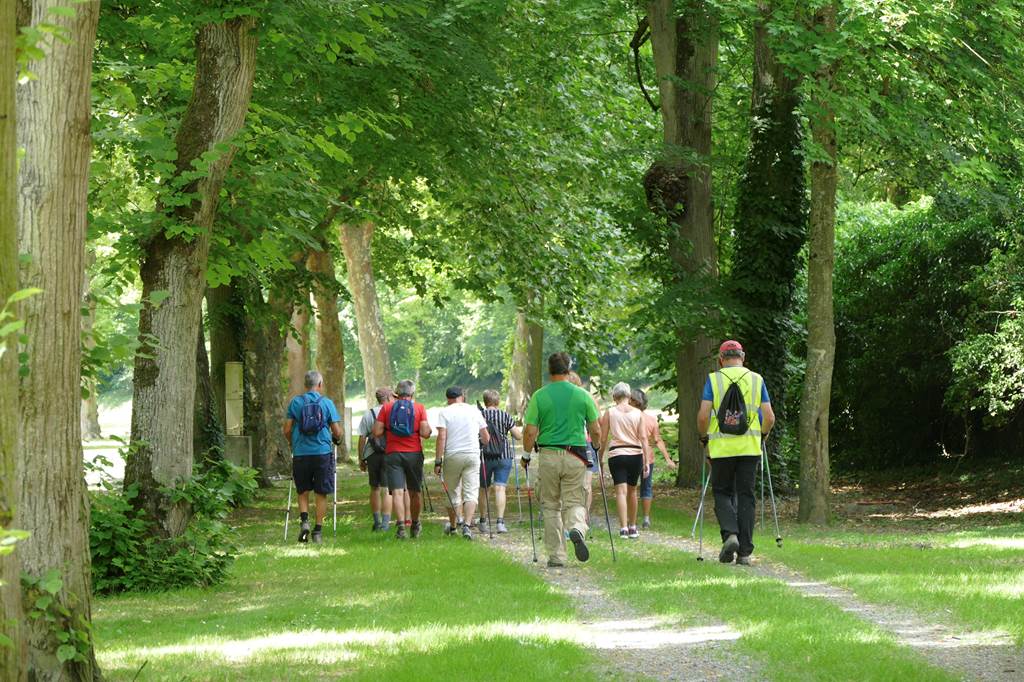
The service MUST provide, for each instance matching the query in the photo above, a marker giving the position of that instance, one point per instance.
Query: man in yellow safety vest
(734, 457)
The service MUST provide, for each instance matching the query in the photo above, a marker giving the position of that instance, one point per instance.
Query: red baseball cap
(730, 345)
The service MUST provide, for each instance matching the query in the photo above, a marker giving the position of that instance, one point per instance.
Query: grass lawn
(974, 577)
(359, 606)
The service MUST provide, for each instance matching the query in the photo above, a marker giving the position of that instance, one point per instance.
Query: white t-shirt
(462, 423)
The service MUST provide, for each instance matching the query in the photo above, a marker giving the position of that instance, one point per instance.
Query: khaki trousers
(562, 497)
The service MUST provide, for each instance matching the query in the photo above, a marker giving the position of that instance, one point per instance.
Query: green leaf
(66, 652)
(22, 294)
(44, 602)
(61, 11)
(11, 327)
(51, 582)
(158, 297)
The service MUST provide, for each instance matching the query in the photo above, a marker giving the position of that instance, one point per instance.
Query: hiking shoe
(400, 533)
(376, 527)
(304, 532)
(555, 564)
(448, 530)
(646, 524)
(623, 532)
(501, 526)
(318, 537)
(743, 560)
(467, 532)
(482, 526)
(729, 548)
(633, 533)
(415, 530)
(384, 527)
(579, 544)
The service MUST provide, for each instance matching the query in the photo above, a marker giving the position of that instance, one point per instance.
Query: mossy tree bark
(821, 337)
(53, 114)
(10, 590)
(771, 221)
(684, 41)
(165, 367)
(357, 244)
(526, 373)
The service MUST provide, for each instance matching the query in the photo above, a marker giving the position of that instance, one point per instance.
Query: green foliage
(126, 556)
(912, 360)
(47, 600)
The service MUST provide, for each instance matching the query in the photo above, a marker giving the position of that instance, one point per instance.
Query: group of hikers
(565, 441)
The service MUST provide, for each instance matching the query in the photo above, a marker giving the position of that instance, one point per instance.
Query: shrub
(126, 556)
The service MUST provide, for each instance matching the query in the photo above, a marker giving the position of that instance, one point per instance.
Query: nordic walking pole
(487, 497)
(763, 458)
(519, 495)
(288, 509)
(604, 496)
(444, 486)
(334, 460)
(529, 501)
(700, 511)
(703, 493)
(426, 492)
(771, 491)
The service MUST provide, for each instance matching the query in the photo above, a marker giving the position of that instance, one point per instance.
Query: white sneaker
(500, 527)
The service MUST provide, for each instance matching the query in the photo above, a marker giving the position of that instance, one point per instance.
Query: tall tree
(298, 347)
(356, 244)
(12, 652)
(678, 186)
(174, 263)
(771, 217)
(330, 353)
(53, 113)
(821, 335)
(526, 373)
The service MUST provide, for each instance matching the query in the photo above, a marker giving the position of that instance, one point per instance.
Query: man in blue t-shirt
(313, 453)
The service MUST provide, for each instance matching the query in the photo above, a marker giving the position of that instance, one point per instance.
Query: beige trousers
(462, 476)
(562, 497)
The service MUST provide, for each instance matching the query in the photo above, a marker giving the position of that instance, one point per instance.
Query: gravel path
(631, 644)
(985, 656)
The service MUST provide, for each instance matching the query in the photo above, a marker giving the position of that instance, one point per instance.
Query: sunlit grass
(974, 578)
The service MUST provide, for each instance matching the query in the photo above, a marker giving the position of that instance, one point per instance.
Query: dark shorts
(376, 470)
(314, 472)
(626, 468)
(498, 471)
(405, 470)
(647, 485)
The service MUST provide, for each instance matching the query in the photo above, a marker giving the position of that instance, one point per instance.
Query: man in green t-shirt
(555, 420)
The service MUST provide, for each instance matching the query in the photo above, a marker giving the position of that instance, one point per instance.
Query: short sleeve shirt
(319, 443)
(403, 443)
(561, 411)
(462, 424)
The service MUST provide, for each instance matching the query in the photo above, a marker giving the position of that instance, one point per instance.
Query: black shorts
(314, 472)
(405, 470)
(626, 468)
(376, 470)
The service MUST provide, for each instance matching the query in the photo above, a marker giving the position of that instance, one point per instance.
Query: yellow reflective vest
(725, 444)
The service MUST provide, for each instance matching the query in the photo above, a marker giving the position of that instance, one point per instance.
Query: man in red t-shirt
(404, 422)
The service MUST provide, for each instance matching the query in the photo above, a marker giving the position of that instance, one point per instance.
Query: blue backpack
(402, 420)
(311, 419)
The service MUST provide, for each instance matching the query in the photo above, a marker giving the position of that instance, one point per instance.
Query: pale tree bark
(263, 346)
(678, 186)
(165, 367)
(11, 656)
(771, 223)
(526, 373)
(53, 113)
(821, 335)
(330, 353)
(226, 313)
(298, 349)
(356, 244)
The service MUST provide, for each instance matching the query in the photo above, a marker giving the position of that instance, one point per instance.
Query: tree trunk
(298, 349)
(821, 336)
(330, 353)
(10, 591)
(771, 223)
(678, 187)
(165, 373)
(53, 114)
(356, 243)
(526, 374)
(90, 404)
(207, 430)
(225, 310)
(264, 348)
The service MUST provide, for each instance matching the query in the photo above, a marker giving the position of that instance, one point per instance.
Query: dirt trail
(988, 656)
